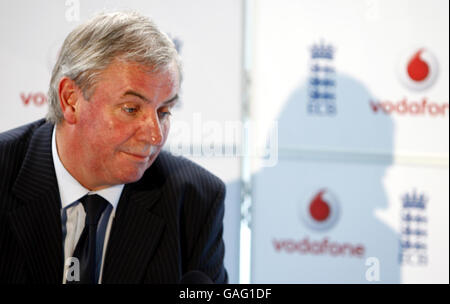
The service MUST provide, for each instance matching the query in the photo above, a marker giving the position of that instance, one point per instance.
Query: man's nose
(151, 130)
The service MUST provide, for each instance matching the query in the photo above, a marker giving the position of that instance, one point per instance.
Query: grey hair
(92, 46)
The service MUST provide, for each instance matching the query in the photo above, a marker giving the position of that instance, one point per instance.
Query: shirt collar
(70, 190)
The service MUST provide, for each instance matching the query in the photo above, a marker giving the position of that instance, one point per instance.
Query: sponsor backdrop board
(359, 91)
(344, 222)
(208, 35)
(340, 64)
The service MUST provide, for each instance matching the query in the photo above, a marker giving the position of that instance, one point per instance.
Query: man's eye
(164, 114)
(129, 110)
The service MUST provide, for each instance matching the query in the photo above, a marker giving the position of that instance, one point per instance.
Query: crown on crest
(322, 50)
(414, 200)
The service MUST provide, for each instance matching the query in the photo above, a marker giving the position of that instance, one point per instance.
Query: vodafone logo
(38, 99)
(320, 210)
(418, 69)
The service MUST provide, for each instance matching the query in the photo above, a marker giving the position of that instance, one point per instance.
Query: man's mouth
(142, 156)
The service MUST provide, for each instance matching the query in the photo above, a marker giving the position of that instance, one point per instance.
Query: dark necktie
(85, 251)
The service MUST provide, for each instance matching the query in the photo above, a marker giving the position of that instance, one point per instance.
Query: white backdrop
(360, 192)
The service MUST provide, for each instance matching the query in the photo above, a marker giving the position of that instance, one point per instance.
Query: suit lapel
(37, 222)
(134, 235)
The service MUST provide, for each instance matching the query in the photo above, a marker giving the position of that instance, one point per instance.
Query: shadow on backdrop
(348, 154)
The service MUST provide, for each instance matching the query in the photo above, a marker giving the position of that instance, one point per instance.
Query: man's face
(125, 123)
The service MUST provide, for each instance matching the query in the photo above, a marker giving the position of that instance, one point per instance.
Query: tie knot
(94, 205)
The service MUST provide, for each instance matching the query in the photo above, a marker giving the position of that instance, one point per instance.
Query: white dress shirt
(72, 211)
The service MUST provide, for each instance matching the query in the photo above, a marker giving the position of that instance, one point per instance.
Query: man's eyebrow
(171, 100)
(134, 93)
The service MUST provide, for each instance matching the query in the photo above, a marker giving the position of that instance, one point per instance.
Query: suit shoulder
(183, 171)
(13, 146)
(20, 134)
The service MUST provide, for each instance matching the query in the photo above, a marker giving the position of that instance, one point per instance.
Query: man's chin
(134, 174)
(131, 177)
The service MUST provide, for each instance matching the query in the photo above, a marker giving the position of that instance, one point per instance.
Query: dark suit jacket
(166, 224)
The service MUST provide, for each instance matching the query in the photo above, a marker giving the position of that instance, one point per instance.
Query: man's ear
(69, 97)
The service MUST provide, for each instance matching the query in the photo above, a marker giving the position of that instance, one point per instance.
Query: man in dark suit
(87, 195)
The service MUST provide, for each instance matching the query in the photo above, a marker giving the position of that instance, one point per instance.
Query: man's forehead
(150, 69)
(137, 79)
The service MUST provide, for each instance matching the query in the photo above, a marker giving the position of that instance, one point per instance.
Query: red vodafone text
(405, 107)
(38, 99)
(323, 247)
